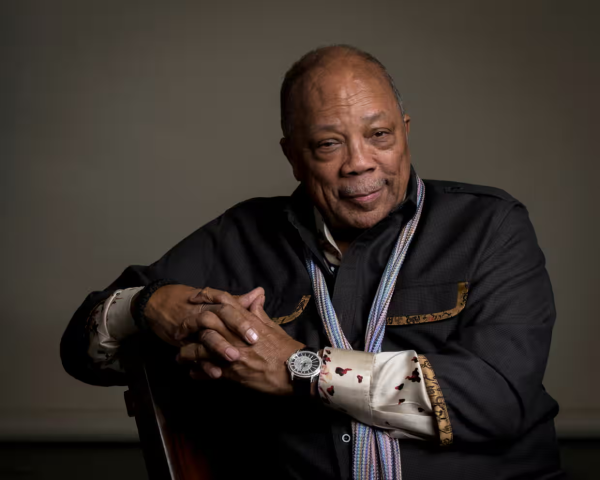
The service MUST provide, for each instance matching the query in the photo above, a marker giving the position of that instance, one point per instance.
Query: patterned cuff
(437, 401)
(399, 399)
(109, 323)
(383, 390)
(119, 322)
(345, 382)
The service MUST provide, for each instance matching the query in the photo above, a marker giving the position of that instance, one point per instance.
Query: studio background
(126, 125)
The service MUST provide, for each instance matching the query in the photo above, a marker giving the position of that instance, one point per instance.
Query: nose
(359, 158)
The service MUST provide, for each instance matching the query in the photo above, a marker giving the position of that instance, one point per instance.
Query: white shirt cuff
(383, 390)
(112, 323)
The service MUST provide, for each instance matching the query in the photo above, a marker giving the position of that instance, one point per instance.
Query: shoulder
(465, 203)
(258, 207)
(454, 189)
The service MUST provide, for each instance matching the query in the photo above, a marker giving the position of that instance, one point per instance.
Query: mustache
(362, 188)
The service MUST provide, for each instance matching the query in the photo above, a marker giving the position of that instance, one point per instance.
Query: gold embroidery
(437, 401)
(461, 301)
(299, 309)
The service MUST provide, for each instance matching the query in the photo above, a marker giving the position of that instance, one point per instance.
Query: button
(346, 438)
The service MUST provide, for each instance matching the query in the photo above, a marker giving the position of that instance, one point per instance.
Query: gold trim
(299, 309)
(437, 401)
(461, 301)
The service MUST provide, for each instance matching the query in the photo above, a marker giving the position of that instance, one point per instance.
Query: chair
(156, 386)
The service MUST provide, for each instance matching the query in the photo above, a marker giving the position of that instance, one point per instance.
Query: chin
(361, 220)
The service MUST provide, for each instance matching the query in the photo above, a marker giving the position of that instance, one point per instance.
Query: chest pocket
(297, 314)
(294, 305)
(426, 304)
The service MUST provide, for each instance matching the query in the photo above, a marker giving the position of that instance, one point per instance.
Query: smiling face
(349, 142)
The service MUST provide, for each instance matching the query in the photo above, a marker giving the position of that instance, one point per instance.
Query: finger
(195, 353)
(212, 295)
(189, 353)
(210, 345)
(246, 299)
(237, 320)
(206, 320)
(198, 373)
(257, 308)
(206, 369)
(217, 346)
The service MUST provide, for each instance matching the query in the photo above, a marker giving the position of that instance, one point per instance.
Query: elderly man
(372, 325)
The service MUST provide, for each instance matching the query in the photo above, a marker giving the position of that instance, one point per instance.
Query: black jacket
(473, 296)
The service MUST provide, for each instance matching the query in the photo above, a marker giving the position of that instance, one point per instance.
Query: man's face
(349, 143)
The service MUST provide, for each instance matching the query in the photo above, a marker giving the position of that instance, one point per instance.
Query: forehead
(343, 88)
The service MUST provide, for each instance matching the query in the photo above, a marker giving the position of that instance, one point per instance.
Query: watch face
(304, 363)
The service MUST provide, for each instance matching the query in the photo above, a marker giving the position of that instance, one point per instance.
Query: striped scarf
(376, 455)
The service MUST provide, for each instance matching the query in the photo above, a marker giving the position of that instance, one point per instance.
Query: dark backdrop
(125, 125)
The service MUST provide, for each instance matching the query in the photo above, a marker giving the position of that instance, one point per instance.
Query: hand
(220, 353)
(173, 310)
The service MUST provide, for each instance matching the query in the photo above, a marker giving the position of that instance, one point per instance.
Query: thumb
(247, 299)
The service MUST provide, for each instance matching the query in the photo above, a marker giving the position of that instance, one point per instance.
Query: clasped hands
(224, 336)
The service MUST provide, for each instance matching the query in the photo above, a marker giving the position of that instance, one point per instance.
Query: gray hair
(313, 59)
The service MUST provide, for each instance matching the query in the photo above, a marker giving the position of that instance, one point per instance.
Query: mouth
(364, 198)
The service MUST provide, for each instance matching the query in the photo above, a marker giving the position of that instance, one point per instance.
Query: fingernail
(232, 353)
(215, 372)
(251, 335)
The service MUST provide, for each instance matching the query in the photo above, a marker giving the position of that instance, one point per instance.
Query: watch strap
(144, 296)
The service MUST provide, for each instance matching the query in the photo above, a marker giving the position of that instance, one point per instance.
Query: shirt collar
(303, 212)
(330, 249)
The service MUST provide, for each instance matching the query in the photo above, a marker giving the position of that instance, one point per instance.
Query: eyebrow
(373, 117)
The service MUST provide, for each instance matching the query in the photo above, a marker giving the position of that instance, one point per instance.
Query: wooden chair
(171, 451)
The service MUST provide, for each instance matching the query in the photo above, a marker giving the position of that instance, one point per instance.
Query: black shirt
(488, 348)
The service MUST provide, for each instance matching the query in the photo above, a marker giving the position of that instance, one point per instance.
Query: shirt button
(346, 438)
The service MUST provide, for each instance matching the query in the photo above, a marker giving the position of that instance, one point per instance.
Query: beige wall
(126, 125)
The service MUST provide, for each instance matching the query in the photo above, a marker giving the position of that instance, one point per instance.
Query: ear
(286, 147)
(407, 123)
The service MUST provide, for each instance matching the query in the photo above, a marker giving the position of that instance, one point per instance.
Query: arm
(486, 383)
(369, 391)
(110, 324)
(80, 345)
(198, 249)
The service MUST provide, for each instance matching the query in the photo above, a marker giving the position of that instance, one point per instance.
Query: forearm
(486, 381)
(77, 338)
(75, 344)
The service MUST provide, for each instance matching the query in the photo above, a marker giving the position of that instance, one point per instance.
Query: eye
(380, 133)
(327, 145)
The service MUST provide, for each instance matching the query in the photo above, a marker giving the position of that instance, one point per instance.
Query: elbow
(79, 365)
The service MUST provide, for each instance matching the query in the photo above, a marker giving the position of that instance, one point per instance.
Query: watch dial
(305, 363)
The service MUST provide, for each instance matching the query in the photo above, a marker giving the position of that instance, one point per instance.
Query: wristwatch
(304, 366)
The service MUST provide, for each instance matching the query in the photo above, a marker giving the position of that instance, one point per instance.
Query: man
(370, 325)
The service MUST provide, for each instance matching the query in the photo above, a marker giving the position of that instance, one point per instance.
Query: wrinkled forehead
(339, 85)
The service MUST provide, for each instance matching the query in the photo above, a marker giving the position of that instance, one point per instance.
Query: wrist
(139, 306)
(304, 366)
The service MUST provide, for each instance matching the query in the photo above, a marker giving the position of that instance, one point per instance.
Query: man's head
(345, 135)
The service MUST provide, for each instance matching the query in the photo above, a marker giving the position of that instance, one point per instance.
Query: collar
(307, 218)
